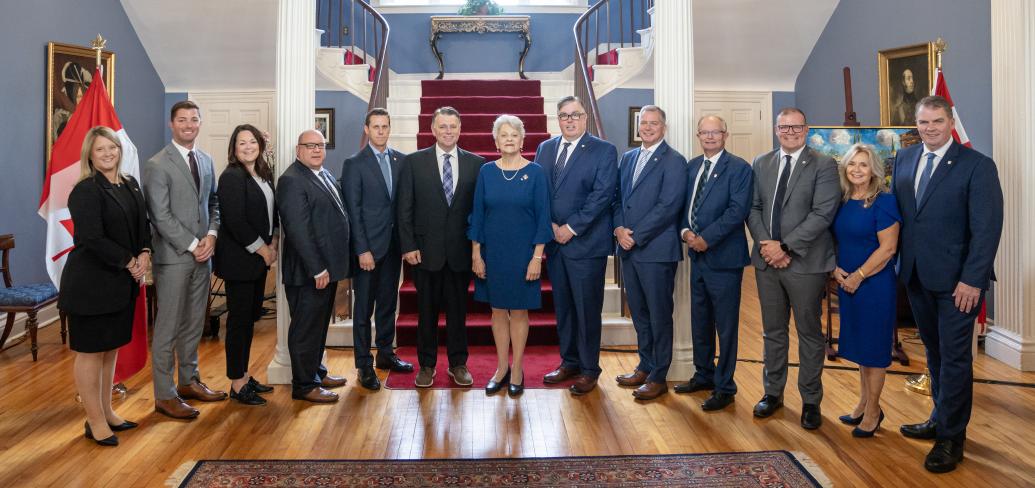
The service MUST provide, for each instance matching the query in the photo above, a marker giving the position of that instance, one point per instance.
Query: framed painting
(70, 71)
(325, 125)
(906, 76)
(634, 126)
(834, 141)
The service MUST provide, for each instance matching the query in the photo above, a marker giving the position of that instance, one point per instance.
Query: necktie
(447, 178)
(925, 178)
(386, 171)
(640, 163)
(561, 161)
(781, 188)
(329, 183)
(697, 196)
(193, 162)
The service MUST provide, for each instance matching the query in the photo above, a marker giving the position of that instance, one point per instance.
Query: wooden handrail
(583, 83)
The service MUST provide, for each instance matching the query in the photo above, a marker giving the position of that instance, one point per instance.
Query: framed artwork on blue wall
(834, 141)
(70, 71)
(634, 126)
(325, 125)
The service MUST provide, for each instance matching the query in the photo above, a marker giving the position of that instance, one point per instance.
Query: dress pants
(311, 311)
(182, 290)
(947, 334)
(648, 287)
(243, 308)
(779, 292)
(715, 309)
(578, 297)
(435, 288)
(377, 294)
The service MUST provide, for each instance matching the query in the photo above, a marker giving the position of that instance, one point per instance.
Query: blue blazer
(370, 206)
(581, 196)
(651, 207)
(952, 234)
(725, 205)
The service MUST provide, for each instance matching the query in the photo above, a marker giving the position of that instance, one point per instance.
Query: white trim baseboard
(1010, 348)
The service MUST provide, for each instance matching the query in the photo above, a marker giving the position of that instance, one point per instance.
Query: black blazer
(95, 279)
(244, 218)
(371, 209)
(316, 231)
(426, 222)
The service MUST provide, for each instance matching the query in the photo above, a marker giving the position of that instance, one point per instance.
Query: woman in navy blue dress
(510, 225)
(866, 229)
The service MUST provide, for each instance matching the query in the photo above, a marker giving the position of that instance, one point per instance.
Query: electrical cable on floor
(900, 373)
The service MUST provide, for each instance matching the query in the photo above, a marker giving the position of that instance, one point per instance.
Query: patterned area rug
(734, 469)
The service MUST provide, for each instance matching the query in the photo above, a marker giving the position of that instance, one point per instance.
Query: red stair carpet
(481, 361)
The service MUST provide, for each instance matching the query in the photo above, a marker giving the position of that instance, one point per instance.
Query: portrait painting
(906, 76)
(634, 126)
(834, 141)
(70, 70)
(325, 125)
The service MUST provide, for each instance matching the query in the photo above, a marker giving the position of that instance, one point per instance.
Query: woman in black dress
(103, 275)
(246, 248)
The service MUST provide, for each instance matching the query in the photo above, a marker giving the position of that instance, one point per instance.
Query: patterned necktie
(640, 163)
(561, 161)
(925, 178)
(447, 178)
(386, 171)
(697, 196)
(193, 162)
(781, 188)
(329, 183)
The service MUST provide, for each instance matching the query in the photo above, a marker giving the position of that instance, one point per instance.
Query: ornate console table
(442, 24)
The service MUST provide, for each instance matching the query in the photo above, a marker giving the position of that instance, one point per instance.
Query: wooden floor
(41, 425)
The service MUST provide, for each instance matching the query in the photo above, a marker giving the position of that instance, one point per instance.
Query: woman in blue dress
(510, 224)
(866, 229)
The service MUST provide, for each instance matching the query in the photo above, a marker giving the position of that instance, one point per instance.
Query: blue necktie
(559, 166)
(447, 178)
(386, 171)
(329, 183)
(640, 163)
(697, 196)
(925, 178)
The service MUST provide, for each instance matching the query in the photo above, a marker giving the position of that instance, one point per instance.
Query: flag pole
(97, 45)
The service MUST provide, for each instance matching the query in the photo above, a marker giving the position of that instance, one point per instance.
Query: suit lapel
(109, 190)
(803, 160)
(176, 160)
(907, 176)
(573, 157)
(944, 166)
(395, 160)
(251, 186)
(715, 171)
(375, 166)
(315, 180)
(435, 178)
(650, 164)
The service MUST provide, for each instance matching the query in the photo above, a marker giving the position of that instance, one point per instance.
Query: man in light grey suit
(180, 187)
(797, 192)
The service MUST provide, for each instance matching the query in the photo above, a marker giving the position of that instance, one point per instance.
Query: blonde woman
(866, 229)
(103, 276)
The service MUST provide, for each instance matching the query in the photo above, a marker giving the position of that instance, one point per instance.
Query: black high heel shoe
(850, 420)
(495, 386)
(110, 441)
(857, 432)
(516, 389)
(125, 425)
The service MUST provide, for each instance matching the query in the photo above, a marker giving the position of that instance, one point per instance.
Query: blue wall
(614, 108)
(138, 100)
(349, 111)
(857, 30)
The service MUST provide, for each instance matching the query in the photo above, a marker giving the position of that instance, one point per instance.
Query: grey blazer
(178, 211)
(809, 205)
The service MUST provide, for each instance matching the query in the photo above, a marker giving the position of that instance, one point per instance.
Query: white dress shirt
(938, 155)
(780, 169)
(454, 164)
(693, 189)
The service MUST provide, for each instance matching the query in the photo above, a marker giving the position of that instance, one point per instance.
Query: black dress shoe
(125, 425)
(850, 420)
(516, 389)
(247, 395)
(368, 379)
(857, 432)
(393, 364)
(692, 386)
(259, 387)
(108, 442)
(944, 456)
(923, 430)
(717, 401)
(495, 386)
(767, 406)
(811, 419)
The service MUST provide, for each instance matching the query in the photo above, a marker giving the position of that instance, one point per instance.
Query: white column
(1012, 338)
(673, 92)
(295, 101)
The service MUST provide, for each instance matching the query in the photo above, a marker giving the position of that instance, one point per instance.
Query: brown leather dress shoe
(636, 378)
(331, 381)
(317, 395)
(583, 384)
(175, 408)
(559, 375)
(199, 391)
(650, 390)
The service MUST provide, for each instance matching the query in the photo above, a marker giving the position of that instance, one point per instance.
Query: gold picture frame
(899, 68)
(70, 71)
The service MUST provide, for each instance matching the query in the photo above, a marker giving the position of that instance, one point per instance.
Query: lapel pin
(583, 146)
(948, 162)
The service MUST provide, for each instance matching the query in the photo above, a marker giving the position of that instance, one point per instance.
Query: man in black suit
(369, 183)
(315, 257)
(436, 191)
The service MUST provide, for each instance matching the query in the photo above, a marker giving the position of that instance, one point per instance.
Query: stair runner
(479, 103)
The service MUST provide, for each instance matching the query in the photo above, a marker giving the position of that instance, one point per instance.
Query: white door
(221, 112)
(748, 116)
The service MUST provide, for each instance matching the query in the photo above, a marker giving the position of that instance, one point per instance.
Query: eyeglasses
(714, 133)
(571, 116)
(314, 146)
(785, 129)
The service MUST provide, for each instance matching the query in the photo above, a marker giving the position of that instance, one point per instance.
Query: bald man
(315, 258)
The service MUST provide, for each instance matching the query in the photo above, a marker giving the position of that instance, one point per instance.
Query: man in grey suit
(180, 187)
(797, 192)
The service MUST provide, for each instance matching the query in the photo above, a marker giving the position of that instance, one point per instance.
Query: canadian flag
(62, 175)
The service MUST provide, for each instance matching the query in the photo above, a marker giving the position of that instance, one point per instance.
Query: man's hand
(688, 235)
(203, 251)
(561, 234)
(412, 257)
(322, 280)
(625, 239)
(366, 261)
(783, 262)
(478, 266)
(772, 253)
(275, 243)
(269, 255)
(967, 297)
(698, 244)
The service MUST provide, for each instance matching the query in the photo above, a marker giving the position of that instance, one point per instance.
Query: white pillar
(1012, 338)
(295, 108)
(673, 92)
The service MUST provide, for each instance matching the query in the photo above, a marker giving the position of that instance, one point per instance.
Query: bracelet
(540, 257)
(860, 271)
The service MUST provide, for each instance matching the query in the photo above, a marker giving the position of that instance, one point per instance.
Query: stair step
(482, 122)
(481, 105)
(542, 329)
(482, 142)
(433, 88)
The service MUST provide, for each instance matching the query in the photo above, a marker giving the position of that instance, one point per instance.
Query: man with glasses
(797, 193)
(719, 194)
(314, 259)
(582, 171)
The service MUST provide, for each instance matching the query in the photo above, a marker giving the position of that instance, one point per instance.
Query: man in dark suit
(314, 259)
(720, 188)
(582, 171)
(797, 192)
(436, 191)
(369, 181)
(952, 218)
(648, 201)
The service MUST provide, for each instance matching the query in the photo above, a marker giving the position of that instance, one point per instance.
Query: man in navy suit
(718, 201)
(582, 171)
(952, 217)
(649, 199)
(369, 183)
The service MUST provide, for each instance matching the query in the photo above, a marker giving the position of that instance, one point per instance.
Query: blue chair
(27, 299)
